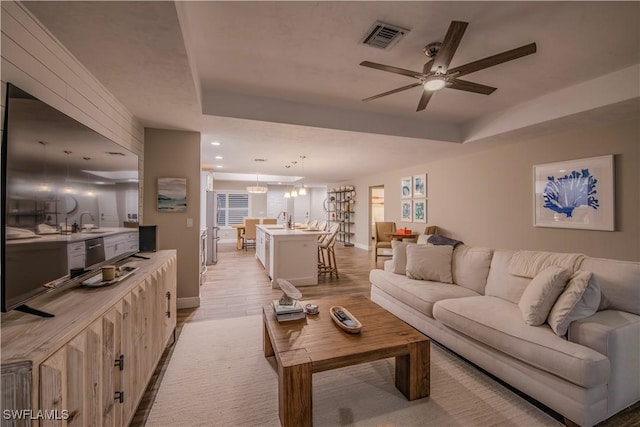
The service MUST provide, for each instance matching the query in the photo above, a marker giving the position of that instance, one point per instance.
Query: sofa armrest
(388, 265)
(616, 334)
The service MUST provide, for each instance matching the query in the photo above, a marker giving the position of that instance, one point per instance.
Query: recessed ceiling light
(218, 166)
(215, 143)
(219, 157)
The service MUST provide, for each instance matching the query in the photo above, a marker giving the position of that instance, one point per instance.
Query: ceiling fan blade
(400, 89)
(424, 100)
(391, 69)
(490, 61)
(427, 67)
(470, 86)
(449, 46)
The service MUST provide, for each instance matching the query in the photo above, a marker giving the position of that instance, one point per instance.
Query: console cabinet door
(81, 377)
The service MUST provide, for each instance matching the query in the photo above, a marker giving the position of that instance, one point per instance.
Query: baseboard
(190, 302)
(227, 241)
(361, 246)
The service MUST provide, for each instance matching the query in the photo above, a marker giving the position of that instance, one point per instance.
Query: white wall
(485, 197)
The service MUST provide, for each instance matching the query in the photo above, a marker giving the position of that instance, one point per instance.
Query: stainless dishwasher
(94, 249)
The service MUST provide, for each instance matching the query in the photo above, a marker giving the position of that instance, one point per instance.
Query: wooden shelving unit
(340, 209)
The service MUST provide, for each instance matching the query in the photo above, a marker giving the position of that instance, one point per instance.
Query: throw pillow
(399, 260)
(541, 293)
(437, 240)
(605, 303)
(423, 239)
(580, 299)
(429, 263)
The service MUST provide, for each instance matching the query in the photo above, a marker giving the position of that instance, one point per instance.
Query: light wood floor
(238, 286)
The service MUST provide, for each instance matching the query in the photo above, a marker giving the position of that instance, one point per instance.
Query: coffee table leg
(412, 371)
(294, 395)
(267, 347)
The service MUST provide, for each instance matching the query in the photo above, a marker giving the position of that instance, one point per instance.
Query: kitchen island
(288, 254)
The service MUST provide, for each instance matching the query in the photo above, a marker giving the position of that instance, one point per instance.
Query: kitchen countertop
(73, 237)
(277, 230)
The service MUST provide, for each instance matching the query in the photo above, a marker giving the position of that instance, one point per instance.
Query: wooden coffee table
(317, 344)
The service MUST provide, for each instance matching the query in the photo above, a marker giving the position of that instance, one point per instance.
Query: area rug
(218, 376)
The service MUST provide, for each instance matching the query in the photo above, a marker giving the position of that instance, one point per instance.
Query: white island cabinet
(288, 254)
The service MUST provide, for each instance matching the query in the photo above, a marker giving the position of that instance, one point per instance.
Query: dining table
(401, 236)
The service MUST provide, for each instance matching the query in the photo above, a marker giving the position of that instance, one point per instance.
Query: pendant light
(294, 192)
(257, 189)
(68, 189)
(303, 190)
(89, 192)
(44, 186)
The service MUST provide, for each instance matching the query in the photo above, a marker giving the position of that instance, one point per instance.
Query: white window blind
(232, 208)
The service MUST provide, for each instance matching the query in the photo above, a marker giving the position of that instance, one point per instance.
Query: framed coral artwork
(575, 194)
(419, 210)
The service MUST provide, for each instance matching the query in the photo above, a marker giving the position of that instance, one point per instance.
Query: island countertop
(278, 230)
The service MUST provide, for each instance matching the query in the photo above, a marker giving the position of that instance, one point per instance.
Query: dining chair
(383, 237)
(249, 235)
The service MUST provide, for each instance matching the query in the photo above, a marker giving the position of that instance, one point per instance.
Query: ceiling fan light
(434, 83)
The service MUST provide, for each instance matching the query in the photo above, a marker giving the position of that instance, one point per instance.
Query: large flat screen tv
(56, 172)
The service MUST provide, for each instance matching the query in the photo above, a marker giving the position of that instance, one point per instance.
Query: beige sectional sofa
(587, 375)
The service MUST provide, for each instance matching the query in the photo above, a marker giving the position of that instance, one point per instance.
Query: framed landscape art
(575, 194)
(405, 187)
(405, 211)
(172, 194)
(419, 210)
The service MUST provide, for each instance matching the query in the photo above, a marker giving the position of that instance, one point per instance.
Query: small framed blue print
(420, 186)
(405, 188)
(419, 210)
(405, 211)
(574, 194)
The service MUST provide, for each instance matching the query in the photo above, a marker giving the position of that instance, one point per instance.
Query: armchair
(382, 239)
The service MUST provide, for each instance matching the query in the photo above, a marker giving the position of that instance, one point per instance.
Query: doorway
(376, 210)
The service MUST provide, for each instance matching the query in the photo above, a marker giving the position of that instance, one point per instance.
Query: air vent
(115, 153)
(384, 36)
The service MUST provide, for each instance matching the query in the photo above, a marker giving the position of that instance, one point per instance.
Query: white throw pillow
(399, 260)
(541, 293)
(429, 263)
(579, 300)
(422, 239)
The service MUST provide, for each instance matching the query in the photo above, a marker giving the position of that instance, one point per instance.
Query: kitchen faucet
(83, 214)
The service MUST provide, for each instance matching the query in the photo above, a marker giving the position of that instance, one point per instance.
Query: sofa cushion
(418, 294)
(429, 263)
(470, 267)
(530, 263)
(580, 299)
(399, 260)
(498, 323)
(541, 294)
(619, 281)
(500, 283)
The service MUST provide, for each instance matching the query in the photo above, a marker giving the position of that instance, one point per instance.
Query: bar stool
(327, 264)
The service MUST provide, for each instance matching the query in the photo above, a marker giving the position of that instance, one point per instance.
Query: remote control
(343, 317)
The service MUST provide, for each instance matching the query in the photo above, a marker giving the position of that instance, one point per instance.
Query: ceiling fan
(436, 73)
